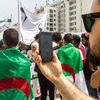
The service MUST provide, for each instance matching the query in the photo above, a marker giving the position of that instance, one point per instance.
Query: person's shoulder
(22, 56)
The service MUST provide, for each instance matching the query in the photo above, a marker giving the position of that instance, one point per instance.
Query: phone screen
(45, 46)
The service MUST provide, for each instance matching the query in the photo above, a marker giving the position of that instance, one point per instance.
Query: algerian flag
(70, 59)
(14, 75)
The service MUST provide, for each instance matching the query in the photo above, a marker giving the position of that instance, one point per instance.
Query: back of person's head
(85, 36)
(85, 39)
(68, 38)
(1, 44)
(76, 39)
(57, 37)
(11, 37)
(22, 45)
(36, 37)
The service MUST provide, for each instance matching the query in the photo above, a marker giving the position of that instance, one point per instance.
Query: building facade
(51, 24)
(69, 14)
(65, 15)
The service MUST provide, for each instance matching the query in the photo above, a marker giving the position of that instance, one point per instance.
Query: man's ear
(4, 44)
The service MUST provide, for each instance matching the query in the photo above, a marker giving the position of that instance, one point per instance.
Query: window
(54, 19)
(54, 10)
(62, 29)
(72, 13)
(50, 15)
(73, 23)
(51, 20)
(54, 15)
(72, 18)
(54, 24)
(51, 24)
(74, 1)
(51, 11)
(62, 6)
(73, 29)
(54, 28)
(51, 29)
(73, 7)
(70, 3)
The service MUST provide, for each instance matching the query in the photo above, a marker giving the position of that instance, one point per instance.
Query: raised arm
(53, 71)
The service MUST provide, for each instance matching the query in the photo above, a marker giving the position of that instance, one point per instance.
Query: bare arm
(53, 71)
(69, 91)
(95, 79)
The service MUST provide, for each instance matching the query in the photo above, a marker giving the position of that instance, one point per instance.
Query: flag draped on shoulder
(31, 23)
(14, 75)
(70, 59)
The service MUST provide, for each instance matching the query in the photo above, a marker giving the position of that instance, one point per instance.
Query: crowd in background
(78, 43)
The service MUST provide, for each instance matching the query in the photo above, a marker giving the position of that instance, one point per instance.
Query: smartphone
(45, 46)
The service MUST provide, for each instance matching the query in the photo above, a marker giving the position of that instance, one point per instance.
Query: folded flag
(14, 75)
(70, 59)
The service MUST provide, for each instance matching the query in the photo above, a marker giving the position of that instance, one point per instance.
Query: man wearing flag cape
(71, 62)
(14, 70)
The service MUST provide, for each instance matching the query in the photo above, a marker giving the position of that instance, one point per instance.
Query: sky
(10, 7)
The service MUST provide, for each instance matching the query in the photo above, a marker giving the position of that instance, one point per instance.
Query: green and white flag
(70, 59)
(14, 75)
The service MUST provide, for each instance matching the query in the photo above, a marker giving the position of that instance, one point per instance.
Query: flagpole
(18, 19)
(19, 23)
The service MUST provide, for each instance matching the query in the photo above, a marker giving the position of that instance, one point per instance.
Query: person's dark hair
(76, 39)
(36, 37)
(11, 37)
(84, 36)
(1, 44)
(57, 37)
(68, 38)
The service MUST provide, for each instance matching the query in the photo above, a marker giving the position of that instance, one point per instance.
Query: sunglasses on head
(89, 20)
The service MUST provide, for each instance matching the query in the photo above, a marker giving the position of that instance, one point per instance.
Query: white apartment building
(65, 15)
(69, 14)
(75, 11)
(51, 24)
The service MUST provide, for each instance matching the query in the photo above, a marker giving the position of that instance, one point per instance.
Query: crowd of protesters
(76, 62)
(78, 44)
